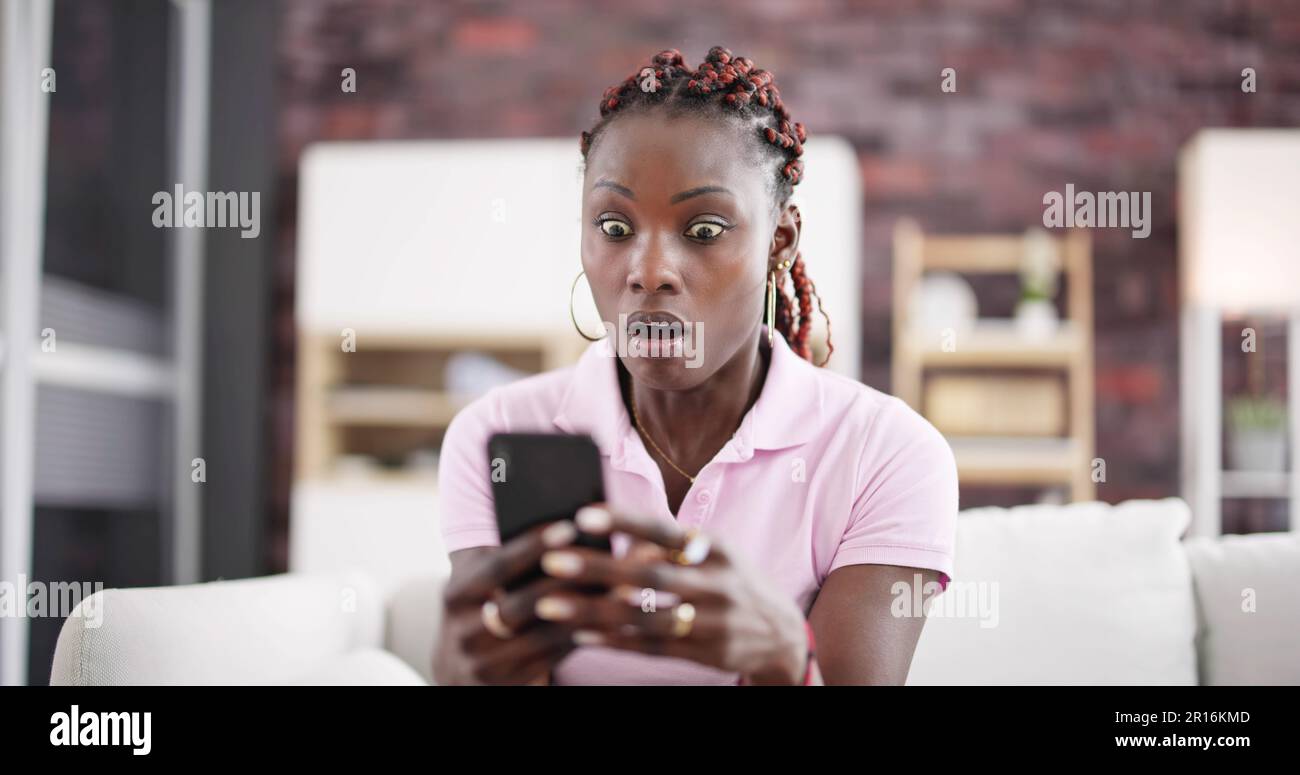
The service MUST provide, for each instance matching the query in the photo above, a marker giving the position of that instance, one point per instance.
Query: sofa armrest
(414, 614)
(1248, 607)
(270, 629)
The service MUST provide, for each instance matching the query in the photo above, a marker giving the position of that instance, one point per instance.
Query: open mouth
(656, 334)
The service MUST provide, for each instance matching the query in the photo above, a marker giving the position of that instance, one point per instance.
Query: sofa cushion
(1086, 593)
(1248, 607)
(249, 631)
(413, 616)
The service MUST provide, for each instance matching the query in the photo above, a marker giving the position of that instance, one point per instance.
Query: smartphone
(543, 477)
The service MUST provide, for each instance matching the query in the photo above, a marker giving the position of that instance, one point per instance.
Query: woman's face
(678, 234)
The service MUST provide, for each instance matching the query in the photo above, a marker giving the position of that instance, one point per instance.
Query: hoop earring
(574, 317)
(771, 299)
(771, 307)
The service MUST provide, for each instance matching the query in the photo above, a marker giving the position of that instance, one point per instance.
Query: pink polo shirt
(823, 472)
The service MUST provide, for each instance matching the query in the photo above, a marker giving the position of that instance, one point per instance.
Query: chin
(665, 373)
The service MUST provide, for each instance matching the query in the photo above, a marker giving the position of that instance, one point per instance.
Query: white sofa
(1079, 594)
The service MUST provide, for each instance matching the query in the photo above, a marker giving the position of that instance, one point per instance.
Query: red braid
(750, 92)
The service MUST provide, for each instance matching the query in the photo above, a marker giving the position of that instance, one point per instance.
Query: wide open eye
(613, 227)
(705, 231)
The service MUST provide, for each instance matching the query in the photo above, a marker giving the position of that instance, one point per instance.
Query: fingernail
(645, 553)
(696, 550)
(588, 638)
(554, 608)
(561, 563)
(628, 594)
(560, 534)
(593, 519)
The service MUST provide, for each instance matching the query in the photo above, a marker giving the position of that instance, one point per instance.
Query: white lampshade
(1239, 220)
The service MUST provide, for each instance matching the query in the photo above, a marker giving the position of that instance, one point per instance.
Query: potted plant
(1036, 316)
(1257, 433)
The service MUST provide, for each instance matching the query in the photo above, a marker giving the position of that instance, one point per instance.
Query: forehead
(658, 152)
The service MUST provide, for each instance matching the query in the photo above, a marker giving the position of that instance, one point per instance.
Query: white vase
(1036, 319)
(943, 301)
(1257, 450)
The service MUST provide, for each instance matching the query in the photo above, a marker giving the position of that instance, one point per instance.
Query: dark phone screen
(543, 477)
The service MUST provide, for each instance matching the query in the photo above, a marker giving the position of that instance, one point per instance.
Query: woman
(765, 506)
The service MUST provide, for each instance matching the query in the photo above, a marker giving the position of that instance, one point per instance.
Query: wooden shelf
(561, 344)
(1017, 460)
(995, 343)
(377, 478)
(998, 354)
(973, 253)
(382, 406)
(387, 398)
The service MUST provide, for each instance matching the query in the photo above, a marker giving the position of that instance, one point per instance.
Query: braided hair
(732, 86)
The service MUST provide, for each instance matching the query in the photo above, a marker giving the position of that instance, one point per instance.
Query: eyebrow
(624, 190)
(699, 190)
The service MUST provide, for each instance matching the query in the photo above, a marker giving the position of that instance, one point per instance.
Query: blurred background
(184, 404)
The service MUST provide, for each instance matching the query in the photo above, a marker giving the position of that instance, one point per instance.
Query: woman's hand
(742, 622)
(467, 651)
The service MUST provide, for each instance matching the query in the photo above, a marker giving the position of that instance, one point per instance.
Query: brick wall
(1099, 94)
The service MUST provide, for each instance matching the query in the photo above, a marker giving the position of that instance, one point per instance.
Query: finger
(516, 607)
(598, 519)
(609, 614)
(543, 639)
(646, 552)
(525, 657)
(529, 671)
(589, 566)
(652, 538)
(701, 651)
(507, 562)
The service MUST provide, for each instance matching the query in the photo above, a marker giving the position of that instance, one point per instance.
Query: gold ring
(694, 552)
(683, 619)
(493, 622)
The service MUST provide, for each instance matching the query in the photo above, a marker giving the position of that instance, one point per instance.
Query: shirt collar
(788, 411)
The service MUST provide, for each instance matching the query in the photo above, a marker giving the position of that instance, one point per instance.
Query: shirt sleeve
(466, 515)
(905, 512)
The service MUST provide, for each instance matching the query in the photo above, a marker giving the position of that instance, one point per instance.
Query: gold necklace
(646, 435)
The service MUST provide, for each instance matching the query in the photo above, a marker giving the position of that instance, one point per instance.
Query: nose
(653, 272)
